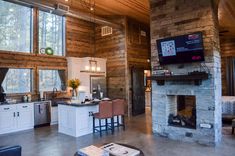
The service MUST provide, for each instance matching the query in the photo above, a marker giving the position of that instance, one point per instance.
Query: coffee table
(130, 146)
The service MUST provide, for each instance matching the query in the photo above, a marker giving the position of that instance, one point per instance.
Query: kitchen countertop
(74, 104)
(1, 104)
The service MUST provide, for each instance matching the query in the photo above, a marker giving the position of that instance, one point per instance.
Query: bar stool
(233, 126)
(119, 110)
(105, 112)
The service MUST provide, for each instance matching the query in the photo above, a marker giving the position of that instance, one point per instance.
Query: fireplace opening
(184, 114)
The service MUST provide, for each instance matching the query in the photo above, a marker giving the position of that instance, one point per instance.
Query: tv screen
(181, 49)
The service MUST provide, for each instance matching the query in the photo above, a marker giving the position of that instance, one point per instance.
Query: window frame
(31, 82)
(42, 68)
(31, 32)
(63, 33)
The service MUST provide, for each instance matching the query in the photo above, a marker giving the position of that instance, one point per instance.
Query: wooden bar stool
(105, 112)
(119, 110)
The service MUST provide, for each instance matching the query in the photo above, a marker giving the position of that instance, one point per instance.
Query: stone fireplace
(199, 120)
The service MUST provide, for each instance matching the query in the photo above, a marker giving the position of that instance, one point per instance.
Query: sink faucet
(54, 90)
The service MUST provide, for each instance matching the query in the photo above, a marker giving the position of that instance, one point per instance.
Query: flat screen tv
(181, 49)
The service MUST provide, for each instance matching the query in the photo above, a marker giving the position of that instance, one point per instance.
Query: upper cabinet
(84, 68)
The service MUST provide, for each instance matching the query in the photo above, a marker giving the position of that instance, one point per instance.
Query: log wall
(123, 50)
(79, 38)
(113, 48)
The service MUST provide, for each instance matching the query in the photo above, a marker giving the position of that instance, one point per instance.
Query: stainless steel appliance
(42, 115)
(98, 86)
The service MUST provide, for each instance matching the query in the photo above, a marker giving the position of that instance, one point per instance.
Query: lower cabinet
(76, 121)
(16, 117)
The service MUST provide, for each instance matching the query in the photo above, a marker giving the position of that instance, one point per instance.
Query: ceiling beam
(75, 14)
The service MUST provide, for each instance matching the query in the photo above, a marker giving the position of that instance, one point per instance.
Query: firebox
(184, 114)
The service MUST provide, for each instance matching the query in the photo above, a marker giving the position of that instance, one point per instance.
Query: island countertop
(74, 104)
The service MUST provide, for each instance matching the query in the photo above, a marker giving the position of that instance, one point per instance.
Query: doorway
(138, 91)
(141, 91)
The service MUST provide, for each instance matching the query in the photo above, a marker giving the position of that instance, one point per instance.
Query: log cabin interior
(117, 77)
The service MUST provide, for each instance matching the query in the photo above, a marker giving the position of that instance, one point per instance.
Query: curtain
(62, 79)
(230, 76)
(3, 73)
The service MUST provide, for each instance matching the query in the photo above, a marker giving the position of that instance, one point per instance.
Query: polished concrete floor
(47, 141)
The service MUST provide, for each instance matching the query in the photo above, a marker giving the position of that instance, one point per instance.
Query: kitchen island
(75, 119)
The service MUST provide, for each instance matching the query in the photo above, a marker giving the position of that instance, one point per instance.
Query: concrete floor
(47, 141)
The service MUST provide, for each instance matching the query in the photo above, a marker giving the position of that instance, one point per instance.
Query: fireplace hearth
(185, 112)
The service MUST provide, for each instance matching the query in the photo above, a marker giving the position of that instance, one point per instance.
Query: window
(15, 27)
(49, 79)
(18, 81)
(51, 32)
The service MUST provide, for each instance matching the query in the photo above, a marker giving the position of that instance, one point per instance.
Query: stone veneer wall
(178, 17)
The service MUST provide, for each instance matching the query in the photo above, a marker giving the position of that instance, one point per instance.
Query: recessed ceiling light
(66, 0)
(11, 9)
(91, 9)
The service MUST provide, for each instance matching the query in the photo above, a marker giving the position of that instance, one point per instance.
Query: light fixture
(87, 68)
(92, 67)
(66, 0)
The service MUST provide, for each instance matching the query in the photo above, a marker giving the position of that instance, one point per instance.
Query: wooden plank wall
(80, 38)
(113, 48)
(138, 46)
(138, 51)
(227, 50)
(122, 54)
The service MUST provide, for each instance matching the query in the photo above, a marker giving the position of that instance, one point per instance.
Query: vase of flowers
(74, 84)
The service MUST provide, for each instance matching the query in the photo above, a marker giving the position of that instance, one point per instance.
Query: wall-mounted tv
(181, 49)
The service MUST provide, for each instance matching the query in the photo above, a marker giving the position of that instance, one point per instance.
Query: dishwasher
(42, 114)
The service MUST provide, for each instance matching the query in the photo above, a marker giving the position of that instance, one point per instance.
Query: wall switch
(206, 125)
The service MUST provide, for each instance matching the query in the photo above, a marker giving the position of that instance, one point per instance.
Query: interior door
(138, 92)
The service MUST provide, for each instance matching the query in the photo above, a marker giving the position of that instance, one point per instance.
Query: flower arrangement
(74, 83)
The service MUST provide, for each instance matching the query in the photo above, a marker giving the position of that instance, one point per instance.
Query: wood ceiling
(227, 18)
(140, 10)
(137, 9)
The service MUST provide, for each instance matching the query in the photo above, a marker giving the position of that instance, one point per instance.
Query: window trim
(64, 35)
(31, 31)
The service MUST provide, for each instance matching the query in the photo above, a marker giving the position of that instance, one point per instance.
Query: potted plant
(74, 84)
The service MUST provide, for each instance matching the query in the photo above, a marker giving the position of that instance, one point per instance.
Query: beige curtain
(230, 75)
(63, 79)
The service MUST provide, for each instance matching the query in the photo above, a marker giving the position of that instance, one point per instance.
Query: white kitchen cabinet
(7, 119)
(16, 117)
(25, 116)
